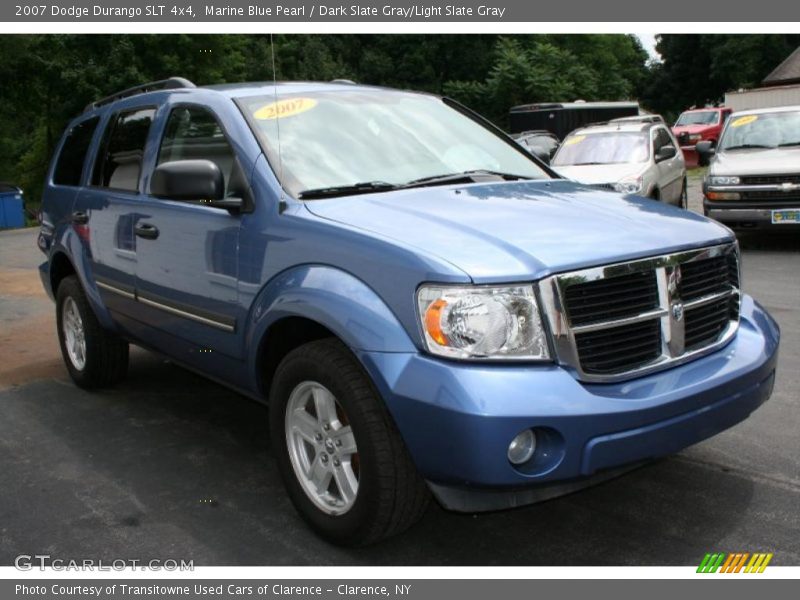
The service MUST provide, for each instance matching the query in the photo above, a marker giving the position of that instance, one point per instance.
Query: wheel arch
(311, 302)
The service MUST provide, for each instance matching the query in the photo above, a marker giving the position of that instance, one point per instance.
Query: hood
(679, 129)
(516, 231)
(775, 161)
(591, 174)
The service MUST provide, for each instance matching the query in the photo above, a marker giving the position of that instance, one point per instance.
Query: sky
(649, 43)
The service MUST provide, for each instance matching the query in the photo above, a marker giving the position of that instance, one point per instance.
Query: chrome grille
(769, 179)
(622, 320)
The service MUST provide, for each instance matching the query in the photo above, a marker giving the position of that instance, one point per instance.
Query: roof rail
(347, 81)
(173, 83)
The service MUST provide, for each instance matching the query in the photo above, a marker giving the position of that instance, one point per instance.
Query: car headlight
(632, 185)
(718, 180)
(470, 322)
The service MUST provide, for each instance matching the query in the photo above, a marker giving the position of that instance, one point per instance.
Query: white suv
(635, 155)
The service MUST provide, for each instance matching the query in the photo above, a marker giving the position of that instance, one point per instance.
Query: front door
(187, 253)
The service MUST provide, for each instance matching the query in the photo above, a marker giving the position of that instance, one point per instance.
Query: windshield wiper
(746, 147)
(581, 164)
(364, 187)
(787, 144)
(462, 176)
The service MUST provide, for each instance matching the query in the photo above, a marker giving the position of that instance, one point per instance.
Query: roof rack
(347, 81)
(173, 83)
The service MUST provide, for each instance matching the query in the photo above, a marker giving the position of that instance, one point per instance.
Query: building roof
(785, 73)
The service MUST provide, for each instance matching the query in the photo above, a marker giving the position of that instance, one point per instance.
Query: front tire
(344, 464)
(94, 357)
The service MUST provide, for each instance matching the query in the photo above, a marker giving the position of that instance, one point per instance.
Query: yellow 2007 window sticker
(284, 108)
(745, 120)
(575, 140)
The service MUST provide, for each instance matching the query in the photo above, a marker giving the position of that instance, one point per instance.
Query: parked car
(697, 125)
(632, 156)
(754, 177)
(431, 311)
(540, 143)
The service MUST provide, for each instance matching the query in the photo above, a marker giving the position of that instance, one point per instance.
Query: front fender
(333, 298)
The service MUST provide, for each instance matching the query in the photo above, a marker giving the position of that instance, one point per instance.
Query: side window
(69, 165)
(119, 165)
(193, 133)
(660, 139)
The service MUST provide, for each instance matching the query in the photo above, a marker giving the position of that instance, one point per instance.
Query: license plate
(789, 216)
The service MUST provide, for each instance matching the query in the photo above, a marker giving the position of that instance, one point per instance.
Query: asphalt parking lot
(168, 465)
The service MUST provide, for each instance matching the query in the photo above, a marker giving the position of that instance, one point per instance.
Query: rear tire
(331, 399)
(94, 357)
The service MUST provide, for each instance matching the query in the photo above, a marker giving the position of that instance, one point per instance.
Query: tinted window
(69, 166)
(120, 163)
(193, 133)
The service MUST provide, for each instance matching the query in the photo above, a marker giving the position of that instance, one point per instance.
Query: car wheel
(655, 194)
(94, 357)
(684, 199)
(344, 464)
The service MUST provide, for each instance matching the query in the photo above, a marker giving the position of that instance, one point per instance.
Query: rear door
(187, 253)
(105, 210)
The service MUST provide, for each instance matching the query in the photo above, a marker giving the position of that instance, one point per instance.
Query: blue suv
(426, 308)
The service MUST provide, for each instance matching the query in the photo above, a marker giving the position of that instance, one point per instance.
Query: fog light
(522, 447)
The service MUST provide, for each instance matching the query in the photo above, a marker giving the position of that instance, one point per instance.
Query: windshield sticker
(575, 140)
(746, 120)
(284, 108)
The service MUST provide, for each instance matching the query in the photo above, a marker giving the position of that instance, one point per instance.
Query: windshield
(342, 138)
(703, 117)
(603, 149)
(771, 130)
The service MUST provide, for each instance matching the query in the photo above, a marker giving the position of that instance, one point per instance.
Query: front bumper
(458, 418)
(744, 218)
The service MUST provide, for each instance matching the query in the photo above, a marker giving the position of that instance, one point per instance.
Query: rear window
(120, 163)
(69, 165)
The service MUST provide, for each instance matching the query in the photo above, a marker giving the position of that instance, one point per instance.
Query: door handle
(146, 231)
(79, 217)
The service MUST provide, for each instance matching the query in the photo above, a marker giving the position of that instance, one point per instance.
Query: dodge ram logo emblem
(677, 312)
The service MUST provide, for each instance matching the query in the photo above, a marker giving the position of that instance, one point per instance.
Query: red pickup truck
(697, 125)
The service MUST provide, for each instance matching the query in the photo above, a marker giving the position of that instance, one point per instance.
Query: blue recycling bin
(12, 213)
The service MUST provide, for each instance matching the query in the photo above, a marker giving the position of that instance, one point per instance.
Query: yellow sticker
(284, 108)
(575, 140)
(745, 120)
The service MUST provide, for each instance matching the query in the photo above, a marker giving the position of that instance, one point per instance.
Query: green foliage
(48, 79)
(699, 69)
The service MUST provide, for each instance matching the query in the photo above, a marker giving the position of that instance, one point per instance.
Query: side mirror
(192, 181)
(666, 152)
(705, 149)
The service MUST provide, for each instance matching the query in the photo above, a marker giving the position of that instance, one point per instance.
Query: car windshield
(770, 130)
(702, 117)
(603, 149)
(336, 139)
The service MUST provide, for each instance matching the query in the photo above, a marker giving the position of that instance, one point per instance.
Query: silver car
(754, 176)
(635, 155)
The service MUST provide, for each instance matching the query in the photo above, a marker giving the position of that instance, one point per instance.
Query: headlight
(629, 186)
(716, 180)
(482, 322)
